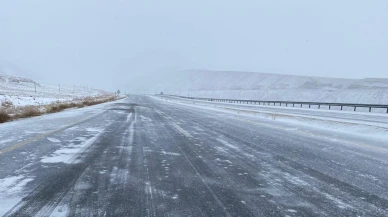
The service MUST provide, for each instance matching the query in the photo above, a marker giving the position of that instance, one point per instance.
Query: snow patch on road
(3, 141)
(10, 191)
(337, 201)
(13, 184)
(144, 118)
(53, 140)
(67, 154)
(228, 144)
(180, 129)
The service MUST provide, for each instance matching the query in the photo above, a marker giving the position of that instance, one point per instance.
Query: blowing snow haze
(269, 108)
(110, 44)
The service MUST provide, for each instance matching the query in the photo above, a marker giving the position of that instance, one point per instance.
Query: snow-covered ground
(368, 125)
(23, 91)
(265, 86)
(21, 94)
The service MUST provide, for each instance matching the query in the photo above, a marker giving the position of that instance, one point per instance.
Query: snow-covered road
(146, 157)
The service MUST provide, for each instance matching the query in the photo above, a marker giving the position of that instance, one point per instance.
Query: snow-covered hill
(265, 86)
(24, 91)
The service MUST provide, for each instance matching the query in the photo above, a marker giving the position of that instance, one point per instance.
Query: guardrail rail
(287, 103)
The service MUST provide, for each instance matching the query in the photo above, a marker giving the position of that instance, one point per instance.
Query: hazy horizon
(106, 44)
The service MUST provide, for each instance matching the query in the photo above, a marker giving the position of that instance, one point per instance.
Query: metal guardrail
(287, 103)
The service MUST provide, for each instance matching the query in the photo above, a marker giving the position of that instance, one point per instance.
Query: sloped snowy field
(265, 86)
(17, 87)
(22, 92)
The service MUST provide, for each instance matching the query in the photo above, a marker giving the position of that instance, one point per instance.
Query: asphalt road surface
(146, 157)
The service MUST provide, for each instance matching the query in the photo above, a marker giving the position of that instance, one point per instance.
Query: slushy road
(145, 157)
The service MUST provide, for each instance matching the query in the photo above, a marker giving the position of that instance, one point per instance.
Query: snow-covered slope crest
(12, 80)
(12, 75)
(266, 86)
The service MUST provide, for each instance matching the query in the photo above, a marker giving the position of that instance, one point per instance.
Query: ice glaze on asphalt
(146, 157)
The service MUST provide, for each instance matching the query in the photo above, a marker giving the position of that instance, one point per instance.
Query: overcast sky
(106, 42)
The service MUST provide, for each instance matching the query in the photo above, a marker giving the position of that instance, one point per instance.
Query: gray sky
(106, 42)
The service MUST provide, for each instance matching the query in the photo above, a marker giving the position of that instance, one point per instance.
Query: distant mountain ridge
(266, 86)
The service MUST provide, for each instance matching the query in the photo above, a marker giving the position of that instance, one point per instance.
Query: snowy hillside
(265, 86)
(21, 90)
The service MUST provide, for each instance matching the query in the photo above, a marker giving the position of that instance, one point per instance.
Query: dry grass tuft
(29, 111)
(4, 116)
(52, 108)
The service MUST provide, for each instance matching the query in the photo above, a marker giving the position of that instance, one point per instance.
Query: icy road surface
(145, 157)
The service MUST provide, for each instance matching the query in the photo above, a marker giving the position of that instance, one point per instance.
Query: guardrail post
(301, 105)
(329, 107)
(387, 110)
(370, 109)
(293, 104)
(355, 108)
(273, 104)
(309, 105)
(286, 104)
(341, 107)
(319, 106)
